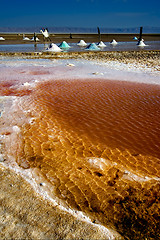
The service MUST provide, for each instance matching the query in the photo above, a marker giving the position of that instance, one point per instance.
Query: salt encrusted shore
(133, 59)
(24, 213)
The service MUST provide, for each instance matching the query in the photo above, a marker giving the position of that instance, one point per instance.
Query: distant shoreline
(17, 38)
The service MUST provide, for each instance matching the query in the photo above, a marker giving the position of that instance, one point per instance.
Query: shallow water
(116, 114)
(121, 46)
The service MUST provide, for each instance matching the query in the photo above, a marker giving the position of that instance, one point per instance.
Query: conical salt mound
(53, 48)
(141, 43)
(64, 45)
(26, 39)
(113, 42)
(82, 43)
(92, 46)
(101, 44)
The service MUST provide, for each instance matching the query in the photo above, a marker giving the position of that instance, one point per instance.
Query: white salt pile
(113, 42)
(82, 43)
(2, 38)
(101, 44)
(141, 43)
(53, 48)
(25, 38)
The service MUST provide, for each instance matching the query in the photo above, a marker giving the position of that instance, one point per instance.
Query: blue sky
(79, 13)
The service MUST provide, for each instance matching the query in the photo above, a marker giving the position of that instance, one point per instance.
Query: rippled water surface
(116, 114)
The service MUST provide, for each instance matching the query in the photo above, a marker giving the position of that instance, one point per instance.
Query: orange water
(117, 114)
(83, 135)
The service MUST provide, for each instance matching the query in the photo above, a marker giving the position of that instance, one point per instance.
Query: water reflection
(35, 47)
(121, 46)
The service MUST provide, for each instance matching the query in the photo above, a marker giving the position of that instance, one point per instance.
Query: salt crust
(101, 163)
(111, 64)
(83, 69)
(33, 178)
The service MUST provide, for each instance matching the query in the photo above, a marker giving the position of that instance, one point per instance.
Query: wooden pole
(99, 33)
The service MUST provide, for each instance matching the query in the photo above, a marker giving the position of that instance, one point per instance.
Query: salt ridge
(113, 70)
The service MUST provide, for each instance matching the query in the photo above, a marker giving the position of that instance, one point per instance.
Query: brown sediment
(97, 143)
